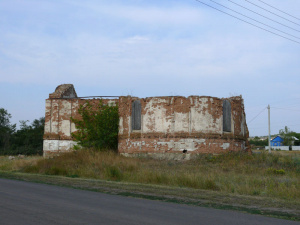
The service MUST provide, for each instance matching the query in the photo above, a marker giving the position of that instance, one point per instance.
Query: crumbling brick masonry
(163, 127)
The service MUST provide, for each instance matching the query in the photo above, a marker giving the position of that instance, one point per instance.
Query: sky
(153, 48)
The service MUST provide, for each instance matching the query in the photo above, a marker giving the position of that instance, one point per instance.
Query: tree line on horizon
(27, 140)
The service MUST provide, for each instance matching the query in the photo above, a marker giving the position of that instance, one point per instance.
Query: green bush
(275, 171)
(98, 126)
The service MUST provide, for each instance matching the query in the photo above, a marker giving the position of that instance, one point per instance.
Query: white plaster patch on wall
(65, 112)
(129, 123)
(121, 127)
(50, 145)
(65, 128)
(225, 145)
(65, 108)
(66, 145)
(183, 144)
(73, 127)
(199, 141)
(202, 121)
(48, 111)
(58, 145)
(111, 102)
(154, 102)
(181, 121)
(155, 119)
(75, 105)
(54, 118)
(191, 100)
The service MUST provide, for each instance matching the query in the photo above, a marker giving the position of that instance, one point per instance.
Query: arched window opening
(136, 115)
(226, 116)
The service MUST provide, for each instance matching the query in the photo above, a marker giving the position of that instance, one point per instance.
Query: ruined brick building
(179, 126)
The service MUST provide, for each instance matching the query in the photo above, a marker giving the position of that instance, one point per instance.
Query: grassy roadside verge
(260, 183)
(206, 198)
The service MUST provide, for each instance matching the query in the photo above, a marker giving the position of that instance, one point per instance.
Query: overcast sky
(152, 48)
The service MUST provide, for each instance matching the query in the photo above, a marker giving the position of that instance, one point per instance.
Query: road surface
(31, 203)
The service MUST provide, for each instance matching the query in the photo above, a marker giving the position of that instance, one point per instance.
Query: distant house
(277, 141)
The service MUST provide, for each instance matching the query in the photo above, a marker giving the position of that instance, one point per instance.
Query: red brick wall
(200, 130)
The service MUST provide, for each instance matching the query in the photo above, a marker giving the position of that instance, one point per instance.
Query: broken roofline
(67, 91)
(168, 96)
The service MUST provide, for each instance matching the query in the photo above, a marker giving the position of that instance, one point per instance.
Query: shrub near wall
(98, 126)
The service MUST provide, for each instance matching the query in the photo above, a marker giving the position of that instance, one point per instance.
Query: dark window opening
(226, 116)
(136, 115)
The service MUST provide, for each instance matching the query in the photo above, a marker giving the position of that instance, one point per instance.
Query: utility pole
(269, 129)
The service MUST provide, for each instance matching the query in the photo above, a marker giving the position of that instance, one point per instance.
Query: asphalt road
(30, 203)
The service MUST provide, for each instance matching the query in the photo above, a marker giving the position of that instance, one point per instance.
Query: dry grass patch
(17, 163)
(260, 174)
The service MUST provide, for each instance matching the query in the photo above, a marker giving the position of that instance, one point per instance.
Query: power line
(280, 123)
(284, 100)
(276, 103)
(255, 20)
(291, 105)
(286, 109)
(249, 22)
(257, 115)
(263, 16)
(283, 124)
(287, 105)
(272, 12)
(279, 10)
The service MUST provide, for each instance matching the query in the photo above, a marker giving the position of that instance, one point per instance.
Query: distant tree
(98, 126)
(256, 141)
(28, 139)
(296, 135)
(287, 136)
(6, 129)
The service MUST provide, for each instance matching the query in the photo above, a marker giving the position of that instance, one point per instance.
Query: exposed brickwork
(169, 145)
(174, 124)
(168, 124)
(61, 106)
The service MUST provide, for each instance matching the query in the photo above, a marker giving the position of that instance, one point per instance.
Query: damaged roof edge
(64, 91)
(67, 91)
